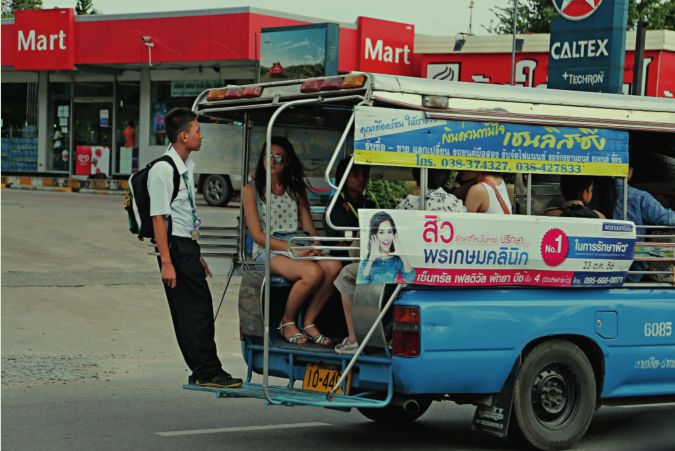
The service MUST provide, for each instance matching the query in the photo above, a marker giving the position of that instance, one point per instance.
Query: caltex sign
(587, 46)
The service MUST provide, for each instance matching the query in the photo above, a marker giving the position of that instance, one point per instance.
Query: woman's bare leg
(330, 270)
(307, 276)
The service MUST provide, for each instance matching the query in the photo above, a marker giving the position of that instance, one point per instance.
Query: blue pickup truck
(536, 360)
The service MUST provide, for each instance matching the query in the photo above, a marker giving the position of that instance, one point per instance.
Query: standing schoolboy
(183, 269)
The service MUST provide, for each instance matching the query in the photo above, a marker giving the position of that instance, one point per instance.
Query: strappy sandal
(292, 339)
(320, 339)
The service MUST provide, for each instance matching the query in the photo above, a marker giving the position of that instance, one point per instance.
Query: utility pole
(470, 17)
(513, 43)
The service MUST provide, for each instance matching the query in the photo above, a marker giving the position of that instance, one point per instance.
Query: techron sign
(587, 46)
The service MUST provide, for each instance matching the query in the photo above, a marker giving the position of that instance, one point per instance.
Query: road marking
(242, 429)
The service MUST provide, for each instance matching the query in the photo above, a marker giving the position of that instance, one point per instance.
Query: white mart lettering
(579, 49)
(386, 53)
(41, 42)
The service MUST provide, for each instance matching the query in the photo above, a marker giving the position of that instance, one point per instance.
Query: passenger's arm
(162, 243)
(253, 220)
(306, 217)
(477, 199)
(407, 267)
(654, 213)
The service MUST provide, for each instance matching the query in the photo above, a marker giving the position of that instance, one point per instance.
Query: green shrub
(386, 193)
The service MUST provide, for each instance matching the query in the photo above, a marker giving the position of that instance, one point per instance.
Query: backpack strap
(176, 185)
(176, 175)
(491, 184)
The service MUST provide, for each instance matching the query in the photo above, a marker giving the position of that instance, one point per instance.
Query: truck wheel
(396, 414)
(554, 395)
(217, 190)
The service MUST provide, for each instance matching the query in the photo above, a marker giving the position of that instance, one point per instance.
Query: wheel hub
(553, 396)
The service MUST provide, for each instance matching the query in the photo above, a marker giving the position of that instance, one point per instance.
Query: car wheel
(217, 190)
(554, 395)
(396, 414)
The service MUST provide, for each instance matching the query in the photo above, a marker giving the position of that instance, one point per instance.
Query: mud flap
(493, 419)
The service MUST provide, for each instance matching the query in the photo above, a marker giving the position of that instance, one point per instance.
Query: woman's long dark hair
(375, 221)
(293, 177)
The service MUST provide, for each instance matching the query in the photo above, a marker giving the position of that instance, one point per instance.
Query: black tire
(217, 190)
(395, 414)
(554, 396)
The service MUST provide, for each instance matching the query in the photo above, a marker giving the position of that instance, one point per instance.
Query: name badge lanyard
(195, 219)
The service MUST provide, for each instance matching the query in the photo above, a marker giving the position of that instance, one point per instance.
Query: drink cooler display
(19, 154)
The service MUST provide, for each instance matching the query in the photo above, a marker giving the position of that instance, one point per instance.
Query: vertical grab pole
(268, 234)
(340, 143)
(424, 187)
(625, 199)
(362, 346)
(529, 194)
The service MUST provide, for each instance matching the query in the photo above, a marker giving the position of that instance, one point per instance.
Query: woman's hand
(374, 248)
(397, 245)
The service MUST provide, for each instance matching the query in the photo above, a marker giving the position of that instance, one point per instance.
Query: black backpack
(137, 200)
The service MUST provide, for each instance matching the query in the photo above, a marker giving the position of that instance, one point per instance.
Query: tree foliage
(85, 7)
(535, 16)
(9, 7)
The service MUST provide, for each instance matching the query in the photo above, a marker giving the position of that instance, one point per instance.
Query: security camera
(146, 39)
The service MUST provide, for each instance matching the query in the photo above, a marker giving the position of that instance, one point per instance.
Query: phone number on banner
(481, 164)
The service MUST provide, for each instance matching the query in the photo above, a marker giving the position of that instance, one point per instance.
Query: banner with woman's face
(471, 249)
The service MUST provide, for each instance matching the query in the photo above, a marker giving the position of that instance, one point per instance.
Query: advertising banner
(303, 51)
(395, 137)
(90, 160)
(466, 249)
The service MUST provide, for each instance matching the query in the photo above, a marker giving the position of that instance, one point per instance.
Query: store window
(127, 104)
(19, 126)
(58, 155)
(166, 95)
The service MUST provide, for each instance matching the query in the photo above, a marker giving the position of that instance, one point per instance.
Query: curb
(65, 184)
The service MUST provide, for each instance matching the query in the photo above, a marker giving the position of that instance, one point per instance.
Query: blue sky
(434, 17)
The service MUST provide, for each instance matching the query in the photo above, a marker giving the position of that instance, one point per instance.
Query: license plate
(322, 378)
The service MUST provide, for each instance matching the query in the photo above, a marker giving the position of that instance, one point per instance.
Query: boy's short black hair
(178, 120)
(572, 186)
(342, 167)
(436, 178)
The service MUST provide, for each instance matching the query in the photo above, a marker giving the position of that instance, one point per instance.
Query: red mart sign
(386, 47)
(45, 39)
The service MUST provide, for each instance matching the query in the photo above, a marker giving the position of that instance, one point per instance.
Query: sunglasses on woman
(278, 158)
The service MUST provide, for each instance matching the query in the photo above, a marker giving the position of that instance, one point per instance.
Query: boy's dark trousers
(192, 309)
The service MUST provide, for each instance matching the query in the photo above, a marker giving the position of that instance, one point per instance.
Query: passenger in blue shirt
(643, 209)
(383, 264)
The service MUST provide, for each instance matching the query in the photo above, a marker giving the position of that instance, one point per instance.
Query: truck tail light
(333, 83)
(406, 332)
(353, 81)
(234, 92)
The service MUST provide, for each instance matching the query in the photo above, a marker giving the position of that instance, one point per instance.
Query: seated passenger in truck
(578, 193)
(351, 199)
(485, 192)
(312, 280)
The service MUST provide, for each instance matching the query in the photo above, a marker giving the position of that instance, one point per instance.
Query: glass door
(93, 136)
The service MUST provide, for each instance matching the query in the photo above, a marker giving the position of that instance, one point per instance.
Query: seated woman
(312, 280)
(487, 193)
(578, 192)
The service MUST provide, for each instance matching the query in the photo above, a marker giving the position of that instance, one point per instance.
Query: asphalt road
(89, 360)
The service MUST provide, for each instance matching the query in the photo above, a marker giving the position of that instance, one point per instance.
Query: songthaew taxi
(528, 317)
